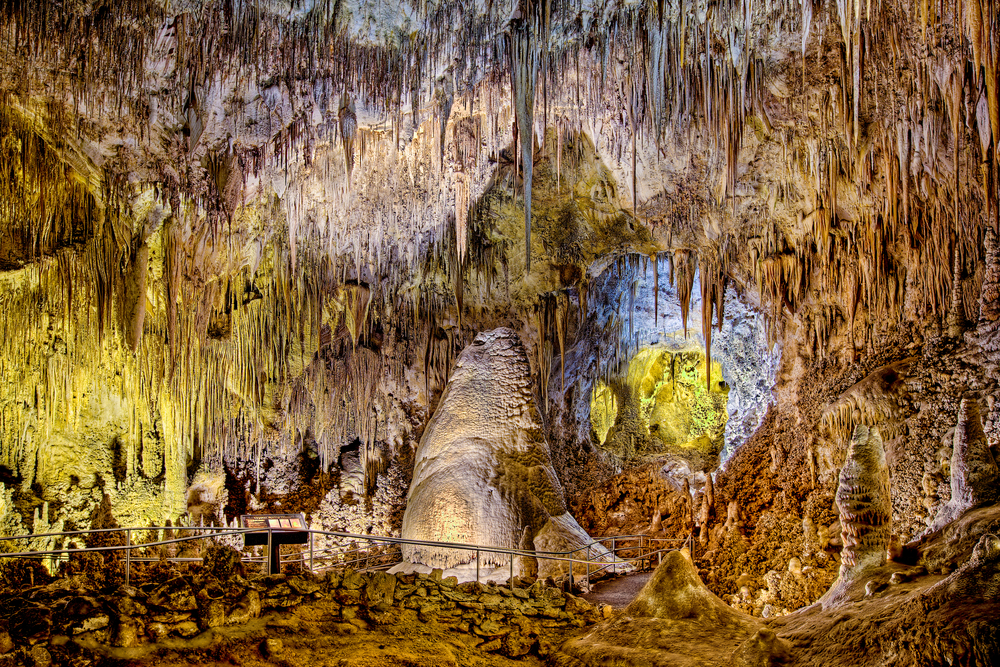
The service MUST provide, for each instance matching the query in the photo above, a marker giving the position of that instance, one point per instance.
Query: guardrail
(360, 552)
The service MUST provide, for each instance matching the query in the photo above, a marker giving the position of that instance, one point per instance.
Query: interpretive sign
(274, 530)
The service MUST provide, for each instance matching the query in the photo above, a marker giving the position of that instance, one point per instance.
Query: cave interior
(720, 277)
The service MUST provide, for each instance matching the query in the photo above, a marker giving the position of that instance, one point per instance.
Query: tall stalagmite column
(865, 503)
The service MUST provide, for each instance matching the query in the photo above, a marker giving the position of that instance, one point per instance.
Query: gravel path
(618, 592)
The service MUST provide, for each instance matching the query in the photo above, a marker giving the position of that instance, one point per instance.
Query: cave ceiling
(228, 189)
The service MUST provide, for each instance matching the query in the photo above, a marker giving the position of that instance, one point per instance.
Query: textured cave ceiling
(252, 219)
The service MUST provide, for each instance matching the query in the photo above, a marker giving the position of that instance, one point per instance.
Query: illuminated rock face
(483, 473)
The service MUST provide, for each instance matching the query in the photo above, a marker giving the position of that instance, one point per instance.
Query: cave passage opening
(664, 400)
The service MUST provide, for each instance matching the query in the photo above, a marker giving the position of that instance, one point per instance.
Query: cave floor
(313, 637)
(618, 592)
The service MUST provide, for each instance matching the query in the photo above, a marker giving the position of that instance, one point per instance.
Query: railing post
(571, 573)
(270, 554)
(512, 571)
(128, 554)
(614, 558)
(477, 565)
(312, 569)
(588, 565)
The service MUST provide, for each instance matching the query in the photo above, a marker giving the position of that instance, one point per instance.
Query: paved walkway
(618, 592)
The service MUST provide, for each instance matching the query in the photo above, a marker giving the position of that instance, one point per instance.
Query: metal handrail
(373, 541)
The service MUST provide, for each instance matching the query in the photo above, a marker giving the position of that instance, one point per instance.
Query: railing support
(272, 557)
(270, 553)
(570, 574)
(128, 555)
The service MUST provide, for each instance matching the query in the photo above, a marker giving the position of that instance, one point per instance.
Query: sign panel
(274, 521)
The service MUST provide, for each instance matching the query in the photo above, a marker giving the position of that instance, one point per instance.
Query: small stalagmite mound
(676, 592)
(975, 479)
(978, 578)
(676, 621)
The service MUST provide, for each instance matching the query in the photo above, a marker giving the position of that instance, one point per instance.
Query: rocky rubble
(74, 621)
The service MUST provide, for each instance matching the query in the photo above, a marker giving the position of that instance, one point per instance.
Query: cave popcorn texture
(483, 473)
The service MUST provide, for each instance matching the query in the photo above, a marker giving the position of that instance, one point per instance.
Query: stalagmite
(864, 502)
(296, 319)
(975, 478)
(865, 505)
(481, 476)
(989, 299)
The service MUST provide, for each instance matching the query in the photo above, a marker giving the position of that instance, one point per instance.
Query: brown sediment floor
(618, 592)
(307, 640)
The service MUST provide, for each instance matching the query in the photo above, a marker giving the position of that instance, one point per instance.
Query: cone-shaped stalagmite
(989, 300)
(668, 623)
(483, 473)
(974, 476)
(865, 506)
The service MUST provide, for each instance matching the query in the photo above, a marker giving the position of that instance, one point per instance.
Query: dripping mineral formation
(554, 279)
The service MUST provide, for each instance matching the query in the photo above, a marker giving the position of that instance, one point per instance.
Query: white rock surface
(483, 473)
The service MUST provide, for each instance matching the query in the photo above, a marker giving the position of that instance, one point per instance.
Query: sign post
(273, 530)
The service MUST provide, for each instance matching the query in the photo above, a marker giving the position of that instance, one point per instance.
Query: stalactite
(663, 62)
(562, 323)
(525, 31)
(685, 263)
(713, 287)
(876, 400)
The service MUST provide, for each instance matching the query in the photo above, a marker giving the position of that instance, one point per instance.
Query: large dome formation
(256, 255)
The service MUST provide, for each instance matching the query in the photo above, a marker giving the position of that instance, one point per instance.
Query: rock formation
(675, 620)
(865, 505)
(989, 299)
(978, 579)
(482, 473)
(244, 242)
(975, 478)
